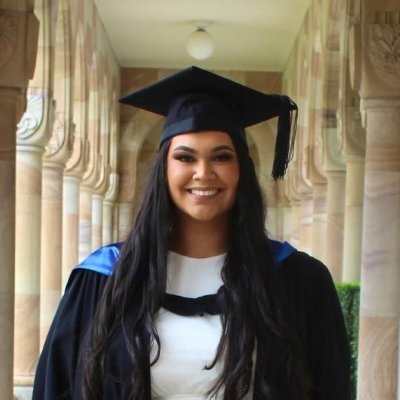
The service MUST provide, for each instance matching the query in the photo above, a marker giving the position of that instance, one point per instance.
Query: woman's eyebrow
(222, 147)
(185, 148)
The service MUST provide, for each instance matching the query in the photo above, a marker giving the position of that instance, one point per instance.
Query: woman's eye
(223, 157)
(184, 157)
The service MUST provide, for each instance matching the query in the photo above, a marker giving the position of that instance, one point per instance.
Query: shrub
(349, 297)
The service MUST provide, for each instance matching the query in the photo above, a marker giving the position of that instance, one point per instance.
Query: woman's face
(202, 174)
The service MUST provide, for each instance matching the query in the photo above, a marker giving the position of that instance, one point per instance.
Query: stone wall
(66, 166)
(344, 72)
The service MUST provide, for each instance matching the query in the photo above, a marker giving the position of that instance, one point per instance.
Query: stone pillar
(108, 209)
(353, 145)
(336, 183)
(380, 275)
(125, 214)
(97, 221)
(74, 171)
(378, 376)
(318, 249)
(11, 107)
(31, 139)
(70, 225)
(101, 187)
(94, 174)
(353, 137)
(57, 153)
(295, 239)
(353, 219)
(273, 220)
(115, 230)
(51, 239)
(306, 223)
(17, 61)
(287, 221)
(335, 222)
(85, 221)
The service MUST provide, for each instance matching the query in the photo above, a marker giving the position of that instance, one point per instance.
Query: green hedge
(349, 296)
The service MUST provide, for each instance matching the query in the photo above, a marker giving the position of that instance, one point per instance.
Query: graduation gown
(306, 281)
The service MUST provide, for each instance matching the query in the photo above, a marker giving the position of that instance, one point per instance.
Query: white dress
(188, 344)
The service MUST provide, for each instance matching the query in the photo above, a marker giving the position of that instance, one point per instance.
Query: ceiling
(252, 35)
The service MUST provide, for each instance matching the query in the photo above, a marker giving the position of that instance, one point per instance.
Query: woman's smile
(206, 193)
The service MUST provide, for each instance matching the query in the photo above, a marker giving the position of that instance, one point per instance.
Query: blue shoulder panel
(281, 250)
(102, 260)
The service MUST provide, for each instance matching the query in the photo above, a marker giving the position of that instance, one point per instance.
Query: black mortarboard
(197, 100)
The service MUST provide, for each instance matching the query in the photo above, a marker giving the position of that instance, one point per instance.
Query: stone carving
(8, 36)
(58, 136)
(384, 51)
(112, 190)
(32, 118)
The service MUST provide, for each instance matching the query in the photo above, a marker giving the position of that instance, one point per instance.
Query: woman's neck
(200, 239)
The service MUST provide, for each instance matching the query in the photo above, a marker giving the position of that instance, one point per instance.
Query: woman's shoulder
(93, 271)
(301, 268)
(103, 260)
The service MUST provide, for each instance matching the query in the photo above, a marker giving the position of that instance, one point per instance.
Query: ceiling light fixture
(200, 44)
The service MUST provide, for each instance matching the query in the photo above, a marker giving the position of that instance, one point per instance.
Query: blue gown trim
(104, 259)
(281, 250)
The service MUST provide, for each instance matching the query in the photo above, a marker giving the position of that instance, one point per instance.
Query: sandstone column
(75, 168)
(17, 60)
(336, 179)
(97, 221)
(57, 153)
(125, 213)
(306, 220)
(380, 271)
(318, 250)
(32, 136)
(353, 146)
(354, 150)
(85, 221)
(100, 190)
(108, 209)
(335, 222)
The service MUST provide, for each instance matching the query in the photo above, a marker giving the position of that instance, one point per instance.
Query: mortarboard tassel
(286, 134)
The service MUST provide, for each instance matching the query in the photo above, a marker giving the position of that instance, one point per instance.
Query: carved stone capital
(112, 191)
(33, 126)
(315, 172)
(103, 172)
(384, 51)
(351, 131)
(93, 171)
(79, 160)
(333, 157)
(60, 146)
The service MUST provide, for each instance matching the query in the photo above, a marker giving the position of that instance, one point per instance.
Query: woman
(198, 303)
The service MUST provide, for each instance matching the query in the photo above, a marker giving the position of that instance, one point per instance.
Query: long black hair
(254, 312)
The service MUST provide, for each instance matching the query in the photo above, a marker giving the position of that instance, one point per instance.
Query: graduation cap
(195, 100)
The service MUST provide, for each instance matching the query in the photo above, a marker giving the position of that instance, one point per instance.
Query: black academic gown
(306, 281)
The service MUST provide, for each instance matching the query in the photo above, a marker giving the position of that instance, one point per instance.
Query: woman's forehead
(202, 139)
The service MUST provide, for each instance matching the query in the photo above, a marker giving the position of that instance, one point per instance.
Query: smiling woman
(198, 302)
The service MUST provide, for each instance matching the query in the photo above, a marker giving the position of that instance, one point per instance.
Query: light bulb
(200, 44)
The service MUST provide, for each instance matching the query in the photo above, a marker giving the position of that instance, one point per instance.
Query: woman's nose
(203, 170)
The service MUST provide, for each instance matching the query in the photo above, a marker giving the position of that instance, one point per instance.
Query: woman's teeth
(204, 193)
